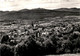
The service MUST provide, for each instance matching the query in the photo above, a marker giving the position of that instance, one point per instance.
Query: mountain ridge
(38, 13)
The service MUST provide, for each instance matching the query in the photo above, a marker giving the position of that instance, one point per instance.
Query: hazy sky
(9, 5)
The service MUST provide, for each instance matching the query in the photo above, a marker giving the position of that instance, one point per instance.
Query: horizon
(15, 5)
(38, 8)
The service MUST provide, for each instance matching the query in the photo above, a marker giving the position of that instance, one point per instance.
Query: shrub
(6, 50)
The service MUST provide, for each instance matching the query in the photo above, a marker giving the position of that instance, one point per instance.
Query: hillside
(58, 34)
(38, 13)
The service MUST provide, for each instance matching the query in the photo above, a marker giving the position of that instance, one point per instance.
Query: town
(45, 37)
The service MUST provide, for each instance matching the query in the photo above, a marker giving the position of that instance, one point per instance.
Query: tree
(6, 50)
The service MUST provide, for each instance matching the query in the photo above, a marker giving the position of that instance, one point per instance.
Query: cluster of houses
(38, 31)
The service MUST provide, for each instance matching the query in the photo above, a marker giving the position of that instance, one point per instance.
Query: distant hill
(69, 9)
(38, 13)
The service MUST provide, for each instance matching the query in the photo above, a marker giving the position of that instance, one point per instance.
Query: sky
(10, 5)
